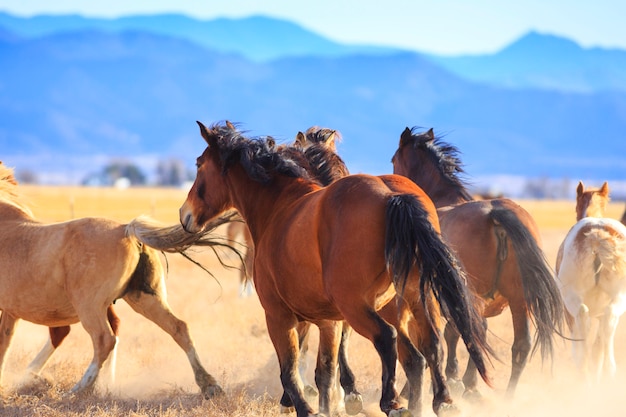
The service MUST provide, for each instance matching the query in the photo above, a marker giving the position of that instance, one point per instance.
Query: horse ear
(271, 142)
(604, 190)
(430, 134)
(580, 189)
(300, 139)
(230, 125)
(330, 140)
(405, 137)
(210, 139)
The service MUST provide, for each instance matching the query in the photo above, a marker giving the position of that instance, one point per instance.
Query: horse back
(592, 267)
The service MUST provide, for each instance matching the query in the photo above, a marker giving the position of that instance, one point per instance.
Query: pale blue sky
(439, 26)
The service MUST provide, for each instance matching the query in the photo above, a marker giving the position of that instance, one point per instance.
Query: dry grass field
(153, 376)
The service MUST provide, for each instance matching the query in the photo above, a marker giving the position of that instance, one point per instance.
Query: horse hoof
(212, 391)
(472, 396)
(400, 412)
(447, 410)
(456, 387)
(353, 403)
(310, 391)
(287, 410)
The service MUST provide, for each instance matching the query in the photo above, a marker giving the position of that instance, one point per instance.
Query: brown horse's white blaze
(63, 273)
(499, 245)
(312, 251)
(591, 267)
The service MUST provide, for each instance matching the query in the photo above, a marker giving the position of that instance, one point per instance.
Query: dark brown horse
(499, 245)
(623, 219)
(316, 262)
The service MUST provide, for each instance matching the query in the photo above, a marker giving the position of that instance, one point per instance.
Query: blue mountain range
(75, 91)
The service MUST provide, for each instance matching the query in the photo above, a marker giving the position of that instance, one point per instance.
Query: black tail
(411, 241)
(541, 293)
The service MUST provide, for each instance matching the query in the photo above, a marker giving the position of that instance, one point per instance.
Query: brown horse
(316, 262)
(237, 231)
(623, 219)
(64, 273)
(499, 245)
(591, 266)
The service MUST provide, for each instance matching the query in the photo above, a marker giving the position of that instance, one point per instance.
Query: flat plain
(153, 377)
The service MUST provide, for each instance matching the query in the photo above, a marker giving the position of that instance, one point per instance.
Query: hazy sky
(440, 26)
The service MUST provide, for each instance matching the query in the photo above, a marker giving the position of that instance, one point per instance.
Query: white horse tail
(608, 246)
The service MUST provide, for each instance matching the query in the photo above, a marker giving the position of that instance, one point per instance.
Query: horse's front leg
(7, 329)
(281, 327)
(326, 368)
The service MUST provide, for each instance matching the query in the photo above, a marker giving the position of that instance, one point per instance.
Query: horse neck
(10, 211)
(258, 203)
(440, 190)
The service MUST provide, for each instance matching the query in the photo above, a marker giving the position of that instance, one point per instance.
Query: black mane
(260, 159)
(325, 165)
(445, 157)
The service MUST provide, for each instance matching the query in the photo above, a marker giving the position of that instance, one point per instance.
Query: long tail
(541, 293)
(412, 241)
(609, 248)
(175, 238)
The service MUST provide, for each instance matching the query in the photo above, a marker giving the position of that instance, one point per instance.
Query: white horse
(591, 269)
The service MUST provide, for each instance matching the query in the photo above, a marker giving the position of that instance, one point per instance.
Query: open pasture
(154, 377)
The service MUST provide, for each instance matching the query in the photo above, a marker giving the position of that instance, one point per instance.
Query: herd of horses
(408, 260)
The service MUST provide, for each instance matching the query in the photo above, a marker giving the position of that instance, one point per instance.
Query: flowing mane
(8, 189)
(444, 156)
(258, 157)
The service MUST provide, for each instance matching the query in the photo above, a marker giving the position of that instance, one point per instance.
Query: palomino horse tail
(541, 294)
(412, 241)
(175, 238)
(608, 247)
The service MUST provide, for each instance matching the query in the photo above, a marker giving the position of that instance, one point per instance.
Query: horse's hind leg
(327, 363)
(452, 362)
(57, 335)
(104, 340)
(383, 336)
(155, 309)
(353, 401)
(7, 329)
(522, 343)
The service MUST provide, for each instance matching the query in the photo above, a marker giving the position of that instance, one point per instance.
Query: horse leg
(608, 325)
(154, 307)
(522, 343)
(429, 344)
(286, 405)
(326, 367)
(383, 336)
(103, 339)
(470, 378)
(7, 330)
(57, 335)
(281, 326)
(353, 401)
(412, 361)
(452, 362)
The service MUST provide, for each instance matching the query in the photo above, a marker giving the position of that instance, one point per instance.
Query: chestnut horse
(591, 267)
(499, 246)
(237, 231)
(316, 262)
(64, 273)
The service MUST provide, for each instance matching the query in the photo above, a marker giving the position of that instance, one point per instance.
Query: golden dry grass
(155, 379)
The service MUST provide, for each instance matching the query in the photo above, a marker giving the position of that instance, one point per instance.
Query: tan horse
(63, 273)
(591, 267)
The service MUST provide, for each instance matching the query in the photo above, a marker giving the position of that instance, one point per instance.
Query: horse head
(202, 206)
(591, 202)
